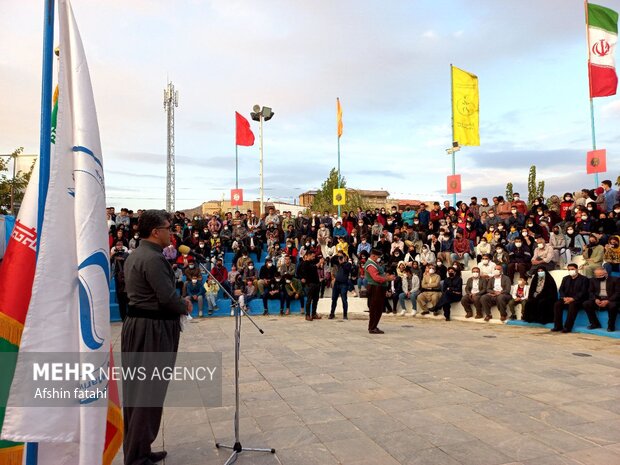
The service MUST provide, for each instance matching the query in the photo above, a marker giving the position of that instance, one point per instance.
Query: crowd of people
(509, 247)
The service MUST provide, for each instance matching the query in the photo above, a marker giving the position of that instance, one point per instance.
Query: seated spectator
(342, 246)
(543, 255)
(191, 272)
(195, 292)
(363, 246)
(294, 290)
(393, 292)
(221, 275)
(487, 267)
(339, 230)
(426, 257)
(593, 255)
(287, 266)
(249, 273)
(430, 290)
(558, 241)
(611, 256)
(483, 248)
(519, 204)
(519, 260)
(519, 297)
(604, 294)
(474, 290)
(542, 296)
(497, 293)
(243, 260)
(254, 245)
(273, 289)
(500, 257)
(211, 291)
(134, 242)
(178, 278)
(452, 291)
(573, 293)
(249, 293)
(266, 275)
(441, 269)
(461, 248)
(410, 284)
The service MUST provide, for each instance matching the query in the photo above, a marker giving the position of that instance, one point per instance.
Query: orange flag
(339, 116)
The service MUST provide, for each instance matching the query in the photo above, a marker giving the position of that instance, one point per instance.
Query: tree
(18, 184)
(534, 190)
(509, 195)
(323, 201)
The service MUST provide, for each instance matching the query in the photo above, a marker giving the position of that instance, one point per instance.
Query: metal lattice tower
(171, 100)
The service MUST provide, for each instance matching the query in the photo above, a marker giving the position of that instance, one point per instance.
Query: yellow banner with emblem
(465, 107)
(340, 196)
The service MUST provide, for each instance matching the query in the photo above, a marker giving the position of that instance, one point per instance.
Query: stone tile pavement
(425, 393)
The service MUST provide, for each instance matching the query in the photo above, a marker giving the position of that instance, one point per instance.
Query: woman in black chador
(543, 294)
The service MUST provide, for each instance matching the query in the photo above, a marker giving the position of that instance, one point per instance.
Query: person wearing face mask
(266, 275)
(612, 255)
(518, 297)
(542, 296)
(566, 207)
(518, 203)
(516, 218)
(363, 246)
(558, 241)
(603, 295)
(452, 291)
(475, 288)
(430, 290)
(342, 274)
(593, 256)
(410, 289)
(293, 290)
(573, 293)
(543, 255)
(486, 267)
(483, 248)
(408, 216)
(249, 274)
(309, 275)
(500, 257)
(134, 242)
(273, 289)
(196, 293)
(461, 250)
(192, 271)
(493, 219)
(519, 260)
(497, 293)
(575, 243)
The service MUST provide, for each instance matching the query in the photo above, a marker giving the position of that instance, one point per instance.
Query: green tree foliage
(534, 190)
(6, 182)
(509, 195)
(324, 197)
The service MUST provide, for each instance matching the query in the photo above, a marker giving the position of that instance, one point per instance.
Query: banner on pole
(340, 196)
(454, 184)
(596, 161)
(236, 197)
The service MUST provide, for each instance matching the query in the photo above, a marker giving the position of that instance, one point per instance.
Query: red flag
(454, 184)
(245, 136)
(597, 161)
(236, 197)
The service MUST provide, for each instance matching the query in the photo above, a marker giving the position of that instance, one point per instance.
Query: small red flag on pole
(454, 184)
(236, 197)
(597, 161)
(245, 136)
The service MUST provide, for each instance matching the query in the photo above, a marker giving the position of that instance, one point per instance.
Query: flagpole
(585, 4)
(339, 172)
(237, 169)
(46, 112)
(452, 108)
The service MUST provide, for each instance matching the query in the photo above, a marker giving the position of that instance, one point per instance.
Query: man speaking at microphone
(152, 325)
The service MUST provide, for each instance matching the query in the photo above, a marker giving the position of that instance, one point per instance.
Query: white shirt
(475, 286)
(497, 284)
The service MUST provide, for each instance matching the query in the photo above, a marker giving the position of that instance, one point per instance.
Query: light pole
(261, 114)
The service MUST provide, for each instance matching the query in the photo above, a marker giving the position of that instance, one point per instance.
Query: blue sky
(388, 61)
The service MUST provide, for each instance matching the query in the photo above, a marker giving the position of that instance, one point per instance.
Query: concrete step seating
(358, 306)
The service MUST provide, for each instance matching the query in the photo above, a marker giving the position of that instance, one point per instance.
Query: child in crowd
(212, 288)
(519, 297)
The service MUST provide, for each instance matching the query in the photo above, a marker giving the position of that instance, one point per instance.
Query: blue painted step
(581, 324)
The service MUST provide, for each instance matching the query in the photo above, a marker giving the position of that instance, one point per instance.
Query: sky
(387, 60)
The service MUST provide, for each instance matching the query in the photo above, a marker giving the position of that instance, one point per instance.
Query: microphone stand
(237, 448)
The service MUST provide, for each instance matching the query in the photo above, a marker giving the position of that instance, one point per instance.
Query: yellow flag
(340, 196)
(465, 107)
(339, 117)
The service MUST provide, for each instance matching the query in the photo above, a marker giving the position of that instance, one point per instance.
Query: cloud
(611, 110)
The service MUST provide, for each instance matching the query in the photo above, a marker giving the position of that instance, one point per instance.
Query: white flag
(69, 307)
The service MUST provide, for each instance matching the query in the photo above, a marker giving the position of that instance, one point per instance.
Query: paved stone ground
(426, 392)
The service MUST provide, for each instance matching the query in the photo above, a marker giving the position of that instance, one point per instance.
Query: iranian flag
(602, 37)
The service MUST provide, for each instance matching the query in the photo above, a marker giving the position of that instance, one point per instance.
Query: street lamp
(260, 115)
